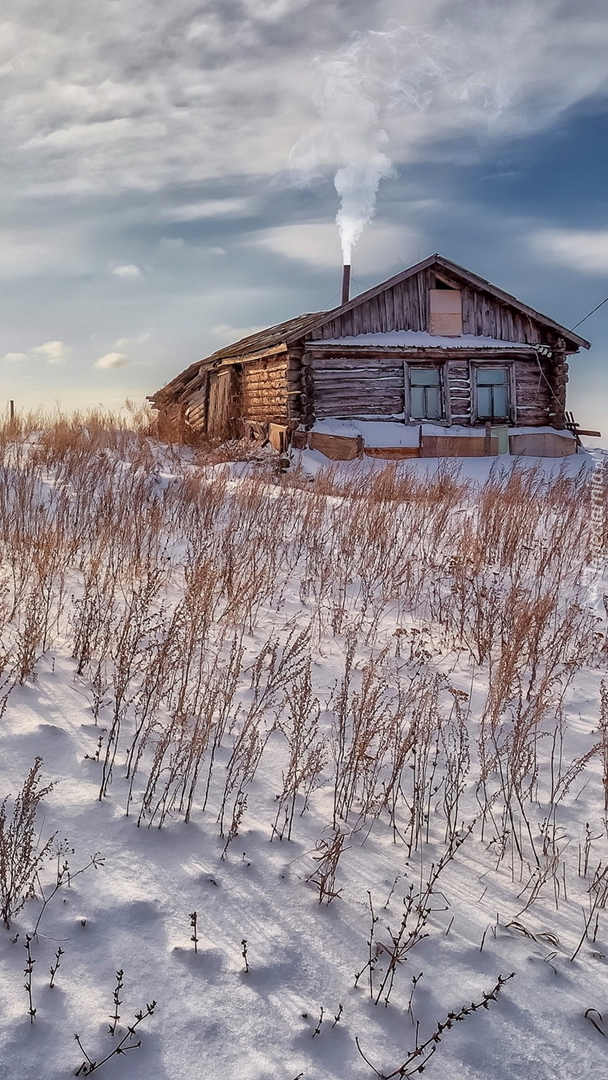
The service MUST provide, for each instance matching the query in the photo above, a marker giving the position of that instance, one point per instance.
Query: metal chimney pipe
(345, 284)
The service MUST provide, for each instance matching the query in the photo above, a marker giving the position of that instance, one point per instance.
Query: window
(425, 393)
(492, 393)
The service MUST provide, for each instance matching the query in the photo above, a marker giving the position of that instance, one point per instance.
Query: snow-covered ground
(390, 681)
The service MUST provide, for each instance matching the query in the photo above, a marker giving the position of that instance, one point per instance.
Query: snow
(378, 433)
(476, 470)
(422, 339)
(562, 432)
(214, 1019)
(374, 432)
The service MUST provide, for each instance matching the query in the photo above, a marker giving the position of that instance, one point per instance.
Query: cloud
(29, 252)
(14, 357)
(318, 245)
(117, 128)
(54, 352)
(158, 96)
(210, 208)
(126, 342)
(127, 271)
(111, 360)
(172, 243)
(176, 245)
(578, 249)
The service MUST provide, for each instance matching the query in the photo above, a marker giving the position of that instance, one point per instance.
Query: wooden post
(488, 440)
(11, 410)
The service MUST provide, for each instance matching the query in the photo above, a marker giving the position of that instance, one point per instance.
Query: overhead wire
(589, 314)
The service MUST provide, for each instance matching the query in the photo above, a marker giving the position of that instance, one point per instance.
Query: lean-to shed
(434, 361)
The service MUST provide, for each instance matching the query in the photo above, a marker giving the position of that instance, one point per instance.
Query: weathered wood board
(542, 444)
(277, 437)
(220, 404)
(406, 306)
(392, 453)
(456, 446)
(336, 447)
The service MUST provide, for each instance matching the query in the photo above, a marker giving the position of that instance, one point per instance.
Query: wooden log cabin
(435, 361)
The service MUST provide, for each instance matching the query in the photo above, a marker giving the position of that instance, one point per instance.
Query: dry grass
(21, 854)
(159, 588)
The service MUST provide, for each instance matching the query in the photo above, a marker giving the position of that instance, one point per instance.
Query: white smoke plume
(464, 78)
(350, 118)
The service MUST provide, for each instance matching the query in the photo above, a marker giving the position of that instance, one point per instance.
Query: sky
(169, 173)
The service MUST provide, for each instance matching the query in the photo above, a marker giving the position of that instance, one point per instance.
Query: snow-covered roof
(422, 339)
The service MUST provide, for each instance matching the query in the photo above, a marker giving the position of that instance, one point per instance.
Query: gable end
(404, 301)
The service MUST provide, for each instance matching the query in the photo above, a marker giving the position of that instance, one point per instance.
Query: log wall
(457, 379)
(374, 385)
(533, 393)
(299, 403)
(263, 390)
(347, 387)
(300, 387)
(533, 386)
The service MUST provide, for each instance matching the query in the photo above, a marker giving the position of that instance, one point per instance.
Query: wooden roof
(278, 338)
(274, 339)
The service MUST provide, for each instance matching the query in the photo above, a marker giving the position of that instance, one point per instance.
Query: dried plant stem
(418, 1058)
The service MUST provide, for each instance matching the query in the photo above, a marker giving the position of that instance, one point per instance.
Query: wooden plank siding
(220, 407)
(485, 316)
(405, 306)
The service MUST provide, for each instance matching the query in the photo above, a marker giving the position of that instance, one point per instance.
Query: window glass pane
(417, 402)
(491, 376)
(500, 401)
(426, 401)
(484, 401)
(433, 403)
(424, 377)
